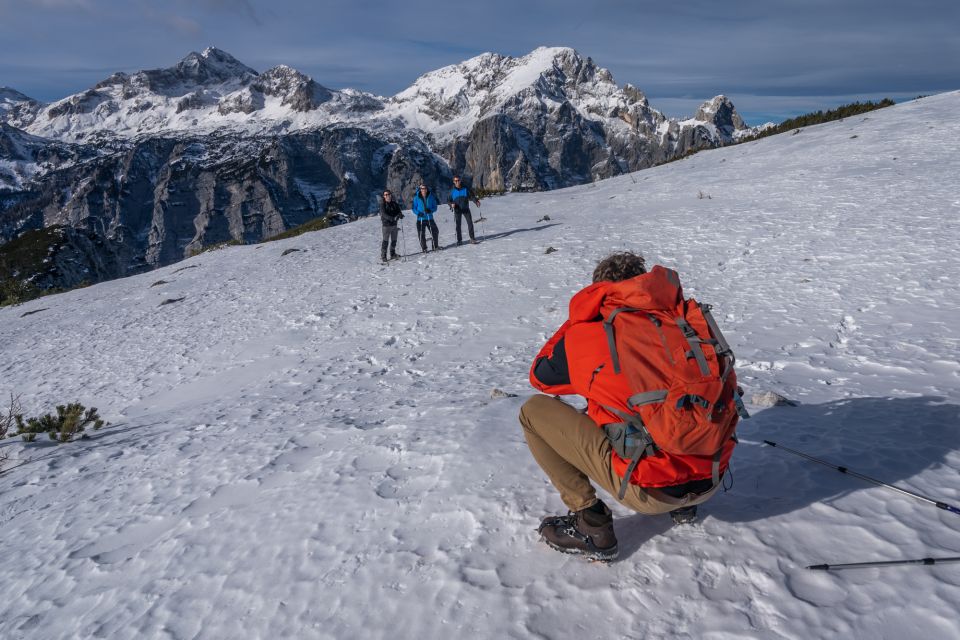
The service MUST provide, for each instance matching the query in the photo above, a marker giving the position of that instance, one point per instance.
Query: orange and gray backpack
(683, 395)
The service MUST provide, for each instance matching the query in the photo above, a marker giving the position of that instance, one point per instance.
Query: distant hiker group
(424, 206)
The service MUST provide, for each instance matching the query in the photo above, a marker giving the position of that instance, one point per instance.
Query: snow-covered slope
(305, 445)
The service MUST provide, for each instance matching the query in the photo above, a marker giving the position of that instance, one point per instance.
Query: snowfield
(307, 445)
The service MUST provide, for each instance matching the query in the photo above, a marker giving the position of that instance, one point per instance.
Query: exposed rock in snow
(771, 399)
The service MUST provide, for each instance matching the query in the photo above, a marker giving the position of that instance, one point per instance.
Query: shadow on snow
(889, 439)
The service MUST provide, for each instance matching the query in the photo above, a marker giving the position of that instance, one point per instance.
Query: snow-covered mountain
(213, 91)
(11, 100)
(210, 150)
(304, 443)
(203, 93)
(451, 100)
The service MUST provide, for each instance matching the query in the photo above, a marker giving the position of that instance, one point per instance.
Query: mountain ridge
(213, 83)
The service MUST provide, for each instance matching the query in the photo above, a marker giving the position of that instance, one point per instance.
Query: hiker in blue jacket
(459, 201)
(424, 205)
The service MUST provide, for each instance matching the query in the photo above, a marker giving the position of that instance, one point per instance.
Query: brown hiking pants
(572, 450)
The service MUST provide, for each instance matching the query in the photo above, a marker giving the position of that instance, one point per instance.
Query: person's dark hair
(619, 266)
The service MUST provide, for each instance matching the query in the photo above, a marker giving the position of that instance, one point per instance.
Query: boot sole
(593, 556)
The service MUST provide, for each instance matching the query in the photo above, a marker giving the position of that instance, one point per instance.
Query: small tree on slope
(70, 421)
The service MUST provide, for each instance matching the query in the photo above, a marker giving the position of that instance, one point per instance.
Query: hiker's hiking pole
(483, 234)
(879, 483)
(403, 241)
(888, 563)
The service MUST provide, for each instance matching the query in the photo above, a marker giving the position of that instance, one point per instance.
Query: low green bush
(69, 422)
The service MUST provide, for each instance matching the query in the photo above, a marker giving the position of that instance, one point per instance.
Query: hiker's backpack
(683, 396)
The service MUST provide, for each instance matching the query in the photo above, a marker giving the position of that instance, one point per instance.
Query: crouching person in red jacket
(579, 450)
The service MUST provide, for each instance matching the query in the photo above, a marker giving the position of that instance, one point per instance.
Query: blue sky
(774, 58)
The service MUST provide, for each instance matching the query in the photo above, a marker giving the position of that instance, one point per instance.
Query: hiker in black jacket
(390, 215)
(459, 201)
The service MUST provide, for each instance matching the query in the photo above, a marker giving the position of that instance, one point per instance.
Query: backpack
(684, 398)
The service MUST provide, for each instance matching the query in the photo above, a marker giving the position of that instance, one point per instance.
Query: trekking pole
(888, 563)
(879, 483)
(403, 240)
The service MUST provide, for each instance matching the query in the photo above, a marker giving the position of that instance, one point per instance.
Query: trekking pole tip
(772, 444)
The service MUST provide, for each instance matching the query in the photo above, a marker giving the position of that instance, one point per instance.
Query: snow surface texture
(306, 445)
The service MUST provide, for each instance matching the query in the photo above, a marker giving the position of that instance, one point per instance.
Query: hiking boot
(394, 255)
(588, 532)
(684, 515)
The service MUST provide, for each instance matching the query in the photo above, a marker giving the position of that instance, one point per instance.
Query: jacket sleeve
(549, 372)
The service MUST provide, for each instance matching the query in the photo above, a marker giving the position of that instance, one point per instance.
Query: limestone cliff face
(163, 199)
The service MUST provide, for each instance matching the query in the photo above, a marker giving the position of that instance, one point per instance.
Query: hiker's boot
(393, 253)
(383, 251)
(588, 532)
(684, 515)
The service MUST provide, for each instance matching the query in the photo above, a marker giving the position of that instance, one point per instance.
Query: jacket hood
(658, 289)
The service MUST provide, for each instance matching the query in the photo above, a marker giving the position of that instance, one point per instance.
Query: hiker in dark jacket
(424, 205)
(390, 215)
(459, 201)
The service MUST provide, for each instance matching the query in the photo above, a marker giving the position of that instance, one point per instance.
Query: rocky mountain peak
(9, 95)
(295, 89)
(213, 66)
(16, 107)
(720, 112)
(10, 99)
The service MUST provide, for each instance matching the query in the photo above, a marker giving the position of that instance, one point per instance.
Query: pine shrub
(9, 417)
(7, 421)
(16, 291)
(70, 421)
(480, 193)
(819, 117)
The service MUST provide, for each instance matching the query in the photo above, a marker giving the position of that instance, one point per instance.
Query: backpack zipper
(594, 375)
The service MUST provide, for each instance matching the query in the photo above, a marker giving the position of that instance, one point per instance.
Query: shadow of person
(890, 439)
(635, 530)
(504, 234)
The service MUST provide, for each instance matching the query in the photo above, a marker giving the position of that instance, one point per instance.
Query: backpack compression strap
(694, 341)
(611, 342)
(724, 350)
